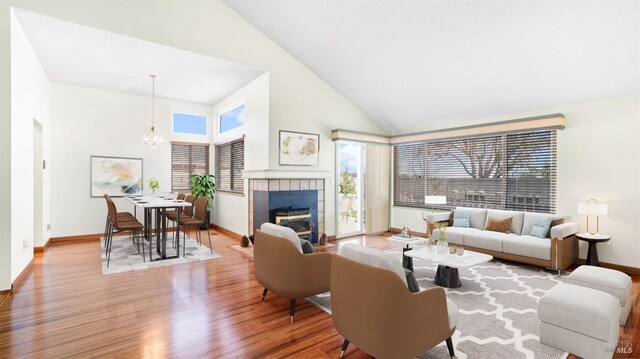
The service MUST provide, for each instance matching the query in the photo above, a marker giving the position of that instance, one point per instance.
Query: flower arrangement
(154, 184)
(441, 227)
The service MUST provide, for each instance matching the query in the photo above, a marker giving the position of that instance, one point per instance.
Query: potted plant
(204, 186)
(154, 185)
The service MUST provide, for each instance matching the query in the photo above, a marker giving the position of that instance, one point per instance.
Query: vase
(442, 247)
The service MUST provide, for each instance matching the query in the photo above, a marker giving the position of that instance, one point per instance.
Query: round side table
(593, 240)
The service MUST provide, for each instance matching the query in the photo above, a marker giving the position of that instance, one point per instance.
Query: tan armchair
(373, 309)
(281, 268)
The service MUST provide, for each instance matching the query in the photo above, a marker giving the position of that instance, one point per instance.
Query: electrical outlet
(25, 244)
(48, 226)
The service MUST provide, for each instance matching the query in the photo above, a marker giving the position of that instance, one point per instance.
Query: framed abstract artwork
(115, 176)
(299, 149)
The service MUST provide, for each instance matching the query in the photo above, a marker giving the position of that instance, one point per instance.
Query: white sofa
(558, 250)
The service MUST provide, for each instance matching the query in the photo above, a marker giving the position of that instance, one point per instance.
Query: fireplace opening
(298, 219)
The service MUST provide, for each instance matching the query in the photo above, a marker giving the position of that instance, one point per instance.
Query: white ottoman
(611, 281)
(579, 320)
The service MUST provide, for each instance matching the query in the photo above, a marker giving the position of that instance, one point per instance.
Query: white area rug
(126, 258)
(497, 306)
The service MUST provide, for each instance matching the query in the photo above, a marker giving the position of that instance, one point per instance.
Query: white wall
(5, 148)
(29, 101)
(598, 157)
(231, 211)
(87, 122)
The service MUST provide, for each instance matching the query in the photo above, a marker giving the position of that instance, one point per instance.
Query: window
(187, 159)
(229, 166)
(513, 171)
(190, 124)
(231, 119)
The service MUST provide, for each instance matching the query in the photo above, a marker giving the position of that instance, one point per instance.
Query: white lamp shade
(593, 209)
(435, 199)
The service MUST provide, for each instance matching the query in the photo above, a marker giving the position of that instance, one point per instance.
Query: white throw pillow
(374, 258)
(280, 231)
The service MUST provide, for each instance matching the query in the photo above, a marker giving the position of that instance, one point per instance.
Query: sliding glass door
(350, 168)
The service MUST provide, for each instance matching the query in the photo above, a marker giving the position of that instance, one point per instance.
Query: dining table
(155, 221)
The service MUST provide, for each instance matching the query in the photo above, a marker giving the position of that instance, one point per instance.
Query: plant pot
(244, 242)
(323, 239)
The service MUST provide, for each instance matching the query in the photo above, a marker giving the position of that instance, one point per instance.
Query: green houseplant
(204, 186)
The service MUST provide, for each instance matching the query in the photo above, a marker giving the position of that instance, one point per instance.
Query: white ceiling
(424, 64)
(79, 55)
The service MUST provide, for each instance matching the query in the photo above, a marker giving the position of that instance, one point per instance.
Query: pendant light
(152, 138)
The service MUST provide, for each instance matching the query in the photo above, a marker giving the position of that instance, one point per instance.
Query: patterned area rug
(126, 258)
(497, 310)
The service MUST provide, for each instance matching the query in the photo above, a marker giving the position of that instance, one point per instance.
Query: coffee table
(407, 262)
(447, 275)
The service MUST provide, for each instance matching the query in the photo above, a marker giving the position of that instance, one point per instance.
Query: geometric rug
(126, 258)
(497, 309)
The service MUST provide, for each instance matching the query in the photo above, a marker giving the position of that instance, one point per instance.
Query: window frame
(225, 110)
(217, 167)
(206, 124)
(207, 162)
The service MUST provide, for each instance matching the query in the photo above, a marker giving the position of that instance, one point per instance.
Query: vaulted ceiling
(425, 64)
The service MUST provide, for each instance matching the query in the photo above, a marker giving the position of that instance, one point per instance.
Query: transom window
(187, 159)
(189, 124)
(512, 171)
(229, 166)
(231, 119)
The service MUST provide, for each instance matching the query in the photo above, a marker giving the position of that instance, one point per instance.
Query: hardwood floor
(67, 308)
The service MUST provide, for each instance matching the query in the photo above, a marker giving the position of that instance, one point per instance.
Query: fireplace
(266, 196)
(298, 219)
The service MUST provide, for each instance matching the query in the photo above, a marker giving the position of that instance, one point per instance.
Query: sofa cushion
(374, 258)
(582, 310)
(461, 218)
(528, 246)
(540, 227)
(485, 240)
(516, 223)
(498, 225)
(456, 235)
(531, 217)
(478, 217)
(280, 231)
(452, 313)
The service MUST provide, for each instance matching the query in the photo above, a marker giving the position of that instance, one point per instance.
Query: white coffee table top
(468, 259)
(410, 241)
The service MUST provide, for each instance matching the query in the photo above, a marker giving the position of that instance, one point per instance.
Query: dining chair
(123, 216)
(186, 212)
(117, 225)
(199, 218)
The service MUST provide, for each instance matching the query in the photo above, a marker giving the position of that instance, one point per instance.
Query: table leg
(147, 229)
(447, 277)
(592, 254)
(177, 233)
(407, 262)
(158, 234)
(163, 224)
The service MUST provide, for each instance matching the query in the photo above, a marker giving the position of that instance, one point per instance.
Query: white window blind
(187, 159)
(512, 171)
(229, 166)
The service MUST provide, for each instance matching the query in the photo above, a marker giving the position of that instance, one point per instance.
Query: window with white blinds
(187, 159)
(229, 166)
(512, 171)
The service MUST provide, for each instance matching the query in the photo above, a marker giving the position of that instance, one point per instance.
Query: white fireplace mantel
(285, 174)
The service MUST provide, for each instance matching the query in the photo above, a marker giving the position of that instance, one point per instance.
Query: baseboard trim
(19, 281)
(76, 239)
(227, 232)
(394, 230)
(618, 267)
(331, 238)
(42, 249)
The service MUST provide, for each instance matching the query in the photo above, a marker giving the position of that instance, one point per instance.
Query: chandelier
(152, 138)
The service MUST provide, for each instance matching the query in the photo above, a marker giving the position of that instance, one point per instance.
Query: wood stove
(298, 219)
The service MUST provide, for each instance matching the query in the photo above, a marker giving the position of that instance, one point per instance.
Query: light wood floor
(66, 309)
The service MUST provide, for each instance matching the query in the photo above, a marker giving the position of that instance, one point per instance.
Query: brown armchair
(281, 268)
(373, 309)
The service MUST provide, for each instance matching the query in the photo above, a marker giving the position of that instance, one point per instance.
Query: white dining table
(155, 209)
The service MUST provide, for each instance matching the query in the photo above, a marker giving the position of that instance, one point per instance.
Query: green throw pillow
(540, 227)
(461, 218)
